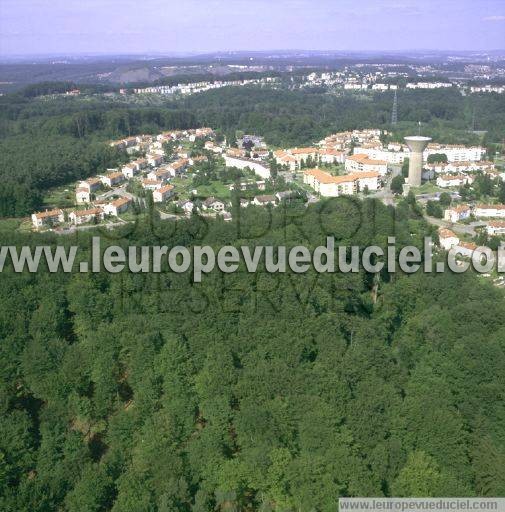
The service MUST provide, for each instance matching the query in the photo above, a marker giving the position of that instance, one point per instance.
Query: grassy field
(9, 224)
(62, 197)
(21, 225)
(216, 188)
(429, 188)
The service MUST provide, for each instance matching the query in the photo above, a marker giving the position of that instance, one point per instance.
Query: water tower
(417, 144)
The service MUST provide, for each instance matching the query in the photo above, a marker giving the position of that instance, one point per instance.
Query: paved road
(119, 191)
(463, 229)
(170, 216)
(73, 229)
(435, 196)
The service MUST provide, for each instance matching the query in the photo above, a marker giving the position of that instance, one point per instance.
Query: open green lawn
(9, 224)
(429, 188)
(216, 188)
(62, 197)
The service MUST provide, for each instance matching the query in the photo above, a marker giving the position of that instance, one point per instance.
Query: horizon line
(207, 53)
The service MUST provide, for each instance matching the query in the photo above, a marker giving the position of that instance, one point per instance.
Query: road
(73, 229)
(119, 191)
(462, 229)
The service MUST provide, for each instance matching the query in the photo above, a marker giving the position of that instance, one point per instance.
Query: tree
(421, 477)
(445, 200)
(437, 158)
(433, 209)
(397, 184)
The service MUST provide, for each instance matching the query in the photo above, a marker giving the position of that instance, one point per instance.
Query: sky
(72, 27)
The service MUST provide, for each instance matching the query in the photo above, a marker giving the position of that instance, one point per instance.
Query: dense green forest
(280, 392)
(45, 142)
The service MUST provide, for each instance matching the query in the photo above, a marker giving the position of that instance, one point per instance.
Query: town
(185, 172)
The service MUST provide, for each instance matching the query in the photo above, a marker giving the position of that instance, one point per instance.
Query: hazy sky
(143, 26)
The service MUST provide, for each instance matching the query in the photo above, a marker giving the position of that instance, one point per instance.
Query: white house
(448, 239)
(47, 218)
(259, 168)
(214, 204)
(154, 160)
(489, 210)
(456, 152)
(264, 200)
(448, 180)
(91, 184)
(163, 193)
(334, 186)
(140, 163)
(283, 158)
(496, 228)
(118, 206)
(331, 156)
(176, 168)
(457, 213)
(148, 184)
(162, 174)
(362, 163)
(285, 195)
(366, 180)
(112, 179)
(130, 170)
(82, 195)
(187, 206)
(82, 216)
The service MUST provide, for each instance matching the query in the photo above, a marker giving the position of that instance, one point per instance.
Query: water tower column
(417, 145)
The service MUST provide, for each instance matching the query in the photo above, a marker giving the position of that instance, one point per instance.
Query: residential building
(456, 152)
(286, 195)
(214, 204)
(259, 168)
(457, 213)
(489, 210)
(236, 152)
(82, 195)
(394, 154)
(130, 141)
(264, 200)
(447, 238)
(331, 156)
(118, 144)
(91, 184)
(211, 146)
(162, 174)
(363, 163)
(187, 206)
(118, 206)
(141, 163)
(83, 216)
(334, 186)
(48, 218)
(129, 171)
(283, 158)
(149, 184)
(112, 179)
(453, 180)
(162, 194)
(294, 157)
(154, 160)
(177, 168)
(496, 228)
